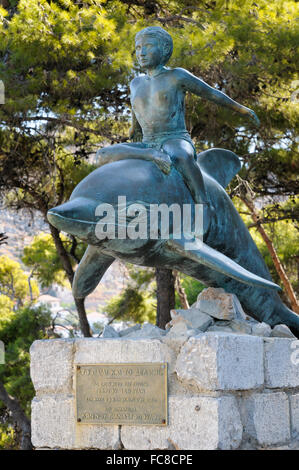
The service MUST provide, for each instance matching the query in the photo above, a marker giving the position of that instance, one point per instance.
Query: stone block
(53, 421)
(195, 423)
(221, 361)
(92, 436)
(51, 365)
(54, 426)
(266, 417)
(294, 406)
(281, 366)
(121, 350)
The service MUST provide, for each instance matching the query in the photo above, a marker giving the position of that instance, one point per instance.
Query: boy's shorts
(158, 140)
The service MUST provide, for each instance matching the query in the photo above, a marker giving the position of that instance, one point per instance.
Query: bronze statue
(227, 256)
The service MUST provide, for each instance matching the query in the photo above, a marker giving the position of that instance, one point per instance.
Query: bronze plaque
(133, 394)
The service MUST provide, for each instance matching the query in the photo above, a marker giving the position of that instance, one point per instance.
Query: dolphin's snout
(74, 217)
(75, 209)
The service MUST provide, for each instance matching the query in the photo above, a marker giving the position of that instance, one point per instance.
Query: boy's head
(163, 39)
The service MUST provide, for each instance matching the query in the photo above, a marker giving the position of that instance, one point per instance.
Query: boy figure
(158, 111)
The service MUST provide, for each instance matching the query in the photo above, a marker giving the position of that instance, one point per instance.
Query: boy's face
(148, 51)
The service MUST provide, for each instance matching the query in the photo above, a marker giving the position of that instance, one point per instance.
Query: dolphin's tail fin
(283, 314)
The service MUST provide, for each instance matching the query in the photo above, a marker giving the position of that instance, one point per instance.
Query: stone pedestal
(225, 391)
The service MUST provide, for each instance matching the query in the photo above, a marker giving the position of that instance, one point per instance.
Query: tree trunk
(181, 291)
(18, 416)
(277, 263)
(63, 255)
(165, 296)
(84, 325)
(29, 284)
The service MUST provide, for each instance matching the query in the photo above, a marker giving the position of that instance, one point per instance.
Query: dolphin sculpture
(227, 258)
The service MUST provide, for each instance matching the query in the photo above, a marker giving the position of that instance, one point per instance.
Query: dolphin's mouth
(52, 217)
(82, 229)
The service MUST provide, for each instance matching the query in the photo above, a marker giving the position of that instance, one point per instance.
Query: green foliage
(6, 306)
(20, 325)
(7, 437)
(286, 242)
(137, 302)
(42, 257)
(283, 234)
(18, 333)
(14, 282)
(132, 306)
(66, 53)
(192, 288)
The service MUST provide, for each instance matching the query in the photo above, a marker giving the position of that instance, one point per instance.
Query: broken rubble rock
(282, 331)
(220, 304)
(177, 329)
(252, 320)
(219, 329)
(193, 318)
(233, 326)
(261, 329)
(130, 330)
(147, 331)
(240, 314)
(180, 328)
(109, 332)
(239, 326)
(194, 332)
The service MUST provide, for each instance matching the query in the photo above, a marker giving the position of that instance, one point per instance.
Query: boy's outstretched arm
(199, 87)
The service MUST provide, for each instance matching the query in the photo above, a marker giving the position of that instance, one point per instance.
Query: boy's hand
(161, 159)
(251, 114)
(163, 165)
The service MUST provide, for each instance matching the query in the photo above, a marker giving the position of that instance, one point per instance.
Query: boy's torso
(159, 103)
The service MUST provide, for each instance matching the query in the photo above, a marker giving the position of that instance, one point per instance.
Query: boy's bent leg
(136, 150)
(182, 155)
(111, 152)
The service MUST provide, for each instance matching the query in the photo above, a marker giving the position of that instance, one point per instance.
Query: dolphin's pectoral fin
(204, 254)
(220, 164)
(90, 271)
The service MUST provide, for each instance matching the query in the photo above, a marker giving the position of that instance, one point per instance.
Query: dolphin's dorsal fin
(220, 164)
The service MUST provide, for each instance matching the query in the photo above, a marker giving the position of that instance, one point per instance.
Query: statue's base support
(225, 391)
